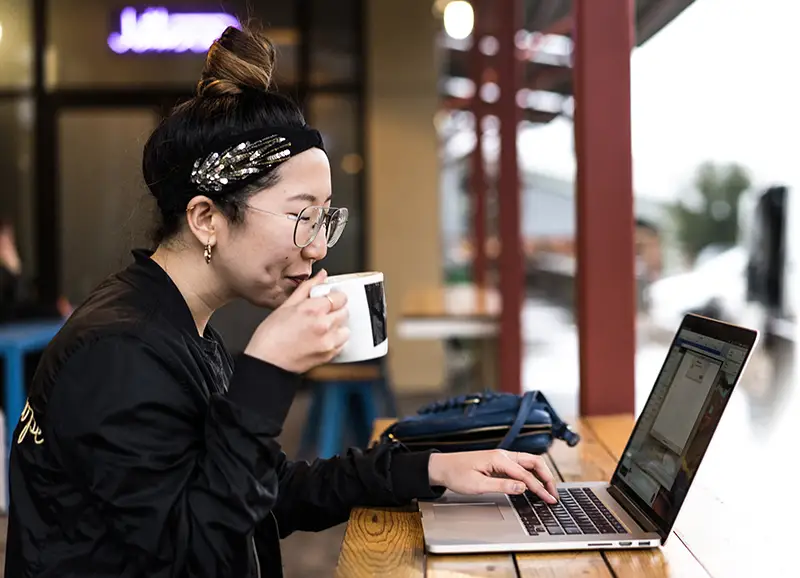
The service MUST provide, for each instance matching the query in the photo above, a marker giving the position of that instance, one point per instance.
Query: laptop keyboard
(578, 511)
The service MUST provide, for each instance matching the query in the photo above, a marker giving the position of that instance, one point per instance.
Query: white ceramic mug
(366, 304)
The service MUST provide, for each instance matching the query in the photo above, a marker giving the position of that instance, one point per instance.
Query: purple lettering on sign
(156, 30)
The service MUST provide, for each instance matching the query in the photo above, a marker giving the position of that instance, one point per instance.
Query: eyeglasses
(309, 222)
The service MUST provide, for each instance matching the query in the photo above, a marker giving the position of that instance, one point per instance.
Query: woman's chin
(272, 300)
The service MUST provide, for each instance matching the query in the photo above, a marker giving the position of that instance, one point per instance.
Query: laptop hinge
(633, 510)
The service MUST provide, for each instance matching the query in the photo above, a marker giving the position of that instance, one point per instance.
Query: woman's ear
(202, 217)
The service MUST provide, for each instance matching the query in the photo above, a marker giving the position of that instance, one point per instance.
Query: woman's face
(258, 259)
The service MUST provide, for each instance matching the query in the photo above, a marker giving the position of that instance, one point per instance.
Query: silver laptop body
(638, 507)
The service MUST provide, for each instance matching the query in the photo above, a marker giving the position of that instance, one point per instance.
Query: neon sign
(156, 30)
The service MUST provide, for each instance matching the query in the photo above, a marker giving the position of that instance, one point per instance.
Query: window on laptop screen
(677, 422)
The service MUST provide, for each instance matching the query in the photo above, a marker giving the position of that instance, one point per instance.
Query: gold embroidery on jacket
(29, 419)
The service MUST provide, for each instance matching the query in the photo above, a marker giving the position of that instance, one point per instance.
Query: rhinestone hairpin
(238, 162)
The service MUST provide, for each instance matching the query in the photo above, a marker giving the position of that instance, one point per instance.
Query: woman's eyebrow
(307, 197)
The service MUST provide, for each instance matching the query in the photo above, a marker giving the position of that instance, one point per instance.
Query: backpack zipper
(500, 430)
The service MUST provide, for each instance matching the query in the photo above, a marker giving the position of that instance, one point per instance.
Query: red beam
(510, 265)
(493, 25)
(550, 77)
(605, 224)
(460, 58)
(478, 176)
(530, 114)
(561, 27)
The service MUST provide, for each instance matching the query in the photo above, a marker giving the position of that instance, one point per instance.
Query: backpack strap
(560, 429)
(524, 409)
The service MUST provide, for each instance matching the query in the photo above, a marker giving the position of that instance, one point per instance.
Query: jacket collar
(157, 285)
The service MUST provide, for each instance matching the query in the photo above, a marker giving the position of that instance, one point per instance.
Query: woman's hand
(304, 332)
(9, 256)
(487, 471)
(64, 307)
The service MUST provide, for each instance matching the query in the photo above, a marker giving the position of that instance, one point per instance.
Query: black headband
(236, 160)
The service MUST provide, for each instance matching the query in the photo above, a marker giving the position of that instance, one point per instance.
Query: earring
(207, 253)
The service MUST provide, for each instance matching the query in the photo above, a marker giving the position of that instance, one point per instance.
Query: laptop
(638, 507)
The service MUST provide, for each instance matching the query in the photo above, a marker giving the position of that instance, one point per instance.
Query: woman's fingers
(539, 467)
(505, 465)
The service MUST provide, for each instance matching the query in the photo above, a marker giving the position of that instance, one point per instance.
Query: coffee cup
(366, 305)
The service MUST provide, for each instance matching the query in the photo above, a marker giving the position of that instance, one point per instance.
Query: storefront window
(333, 41)
(336, 117)
(16, 126)
(16, 44)
(105, 208)
(124, 44)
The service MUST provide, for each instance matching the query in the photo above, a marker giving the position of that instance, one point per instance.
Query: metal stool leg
(14, 393)
(367, 407)
(389, 403)
(311, 428)
(334, 404)
(386, 391)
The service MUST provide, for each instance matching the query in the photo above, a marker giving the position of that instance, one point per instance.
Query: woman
(144, 449)
(11, 286)
(16, 302)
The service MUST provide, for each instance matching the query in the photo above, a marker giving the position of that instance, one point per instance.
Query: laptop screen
(675, 427)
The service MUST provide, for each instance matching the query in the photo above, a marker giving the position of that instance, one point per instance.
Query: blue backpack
(482, 421)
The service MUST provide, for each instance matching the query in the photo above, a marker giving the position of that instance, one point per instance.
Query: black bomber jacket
(146, 450)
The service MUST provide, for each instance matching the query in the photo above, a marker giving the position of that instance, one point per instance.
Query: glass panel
(105, 207)
(16, 44)
(121, 43)
(333, 41)
(16, 145)
(337, 118)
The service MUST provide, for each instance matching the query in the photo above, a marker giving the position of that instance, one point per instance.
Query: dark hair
(647, 224)
(233, 96)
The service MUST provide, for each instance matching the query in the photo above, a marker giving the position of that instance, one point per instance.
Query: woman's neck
(196, 281)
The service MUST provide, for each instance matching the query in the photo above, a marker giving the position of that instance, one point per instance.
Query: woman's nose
(317, 249)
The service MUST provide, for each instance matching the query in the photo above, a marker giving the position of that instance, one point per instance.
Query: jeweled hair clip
(238, 162)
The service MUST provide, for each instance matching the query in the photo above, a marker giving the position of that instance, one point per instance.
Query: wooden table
(466, 317)
(388, 542)
(462, 310)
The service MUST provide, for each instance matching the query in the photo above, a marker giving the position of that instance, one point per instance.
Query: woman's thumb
(502, 485)
(303, 290)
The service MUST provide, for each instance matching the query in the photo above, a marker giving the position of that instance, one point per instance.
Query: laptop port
(625, 543)
(599, 544)
(645, 543)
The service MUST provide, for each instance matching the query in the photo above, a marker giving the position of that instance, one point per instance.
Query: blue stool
(346, 398)
(17, 339)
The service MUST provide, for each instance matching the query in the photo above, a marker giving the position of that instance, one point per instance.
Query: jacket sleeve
(181, 482)
(320, 494)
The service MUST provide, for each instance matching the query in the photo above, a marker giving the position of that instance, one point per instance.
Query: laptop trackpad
(467, 512)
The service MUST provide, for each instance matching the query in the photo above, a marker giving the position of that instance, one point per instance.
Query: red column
(511, 274)
(605, 224)
(477, 173)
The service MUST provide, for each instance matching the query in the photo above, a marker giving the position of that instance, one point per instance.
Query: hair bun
(238, 60)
